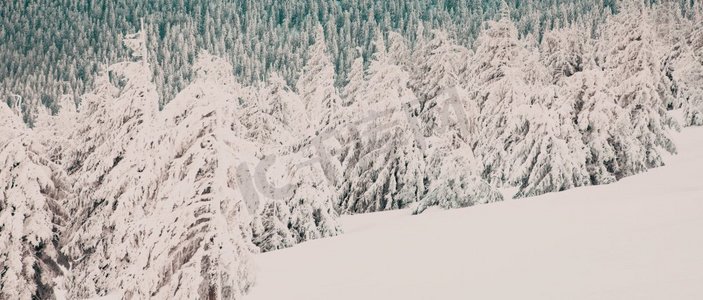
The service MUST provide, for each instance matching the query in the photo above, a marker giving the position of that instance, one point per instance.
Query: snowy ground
(641, 238)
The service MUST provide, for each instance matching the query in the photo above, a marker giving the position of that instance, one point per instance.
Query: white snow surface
(639, 238)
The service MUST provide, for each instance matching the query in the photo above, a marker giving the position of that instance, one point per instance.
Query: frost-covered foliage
(111, 118)
(172, 218)
(283, 104)
(101, 184)
(355, 83)
(54, 130)
(316, 84)
(163, 216)
(197, 241)
(305, 213)
(382, 161)
(636, 78)
(271, 227)
(452, 170)
(600, 121)
(32, 193)
(503, 79)
(586, 105)
(437, 67)
(311, 204)
(693, 107)
(456, 186)
(304, 210)
(297, 198)
(438, 71)
(277, 116)
(565, 51)
(105, 163)
(685, 68)
(550, 155)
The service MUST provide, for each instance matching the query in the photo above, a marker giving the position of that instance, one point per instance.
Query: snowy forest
(149, 149)
(44, 56)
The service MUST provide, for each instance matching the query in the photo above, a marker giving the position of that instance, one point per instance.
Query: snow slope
(639, 238)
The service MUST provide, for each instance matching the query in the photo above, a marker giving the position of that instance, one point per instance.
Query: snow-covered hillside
(639, 238)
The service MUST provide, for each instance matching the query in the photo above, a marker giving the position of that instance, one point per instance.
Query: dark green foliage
(55, 47)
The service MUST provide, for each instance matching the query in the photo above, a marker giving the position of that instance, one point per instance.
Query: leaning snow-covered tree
(122, 103)
(109, 173)
(626, 52)
(382, 156)
(436, 75)
(296, 197)
(316, 85)
(451, 168)
(550, 156)
(355, 82)
(457, 183)
(503, 76)
(564, 51)
(299, 203)
(275, 116)
(685, 63)
(312, 213)
(601, 122)
(438, 66)
(192, 239)
(54, 130)
(32, 191)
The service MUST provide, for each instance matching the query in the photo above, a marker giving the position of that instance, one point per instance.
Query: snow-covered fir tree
(54, 130)
(437, 68)
(550, 156)
(438, 72)
(312, 213)
(274, 115)
(197, 243)
(382, 159)
(302, 211)
(693, 106)
(684, 64)
(32, 194)
(451, 168)
(108, 173)
(502, 75)
(270, 227)
(297, 199)
(316, 85)
(627, 52)
(355, 83)
(398, 49)
(171, 221)
(284, 104)
(457, 183)
(601, 122)
(565, 51)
